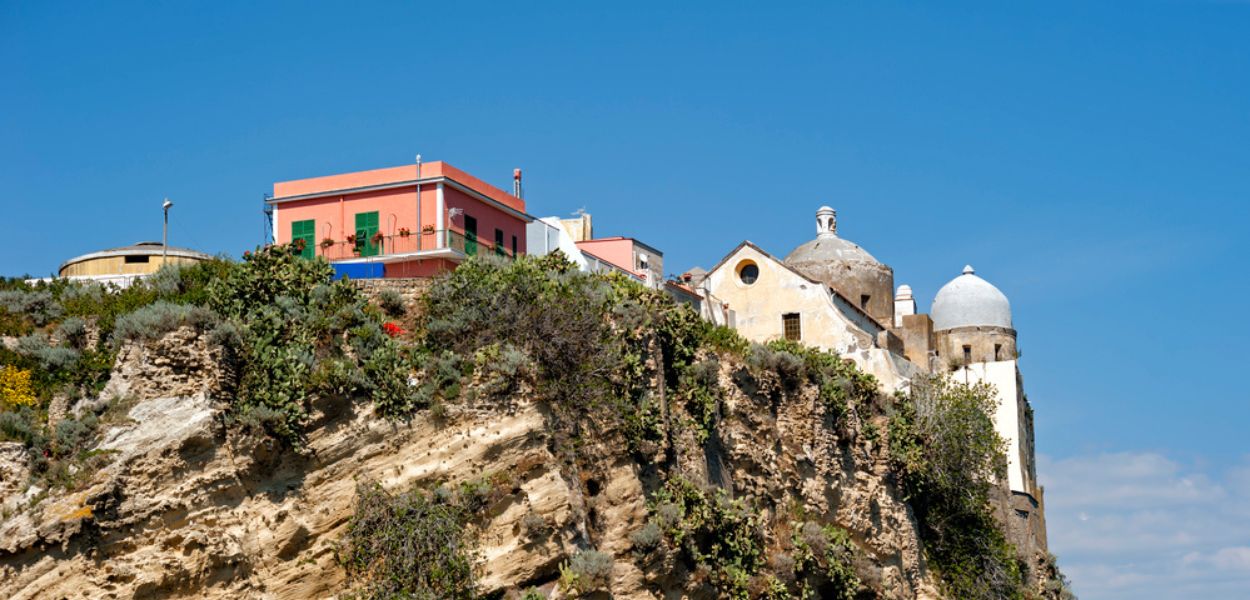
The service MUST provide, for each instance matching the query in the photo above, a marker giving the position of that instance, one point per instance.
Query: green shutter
(307, 231)
(470, 235)
(366, 227)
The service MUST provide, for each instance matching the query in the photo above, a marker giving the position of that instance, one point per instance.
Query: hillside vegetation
(599, 439)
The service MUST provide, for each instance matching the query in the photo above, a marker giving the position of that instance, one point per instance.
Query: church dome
(969, 301)
(844, 266)
(827, 247)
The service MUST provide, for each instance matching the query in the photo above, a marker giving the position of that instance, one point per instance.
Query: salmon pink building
(409, 221)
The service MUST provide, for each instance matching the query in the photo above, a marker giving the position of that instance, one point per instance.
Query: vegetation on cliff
(607, 358)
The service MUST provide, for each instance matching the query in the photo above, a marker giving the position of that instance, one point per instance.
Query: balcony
(391, 247)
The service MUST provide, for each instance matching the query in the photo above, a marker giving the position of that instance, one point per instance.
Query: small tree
(944, 445)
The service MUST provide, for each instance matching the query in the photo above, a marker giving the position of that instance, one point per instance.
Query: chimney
(516, 183)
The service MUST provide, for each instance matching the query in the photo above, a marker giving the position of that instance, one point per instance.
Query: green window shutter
(470, 235)
(307, 231)
(366, 227)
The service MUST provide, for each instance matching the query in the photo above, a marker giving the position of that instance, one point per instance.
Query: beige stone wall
(759, 307)
(982, 342)
(917, 336)
(409, 288)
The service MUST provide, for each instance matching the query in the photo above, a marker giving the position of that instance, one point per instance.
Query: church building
(830, 293)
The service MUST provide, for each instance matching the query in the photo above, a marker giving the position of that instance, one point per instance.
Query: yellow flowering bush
(15, 388)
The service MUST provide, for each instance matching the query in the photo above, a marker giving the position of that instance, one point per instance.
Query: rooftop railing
(387, 245)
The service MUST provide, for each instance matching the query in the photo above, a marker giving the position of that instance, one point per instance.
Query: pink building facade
(629, 254)
(411, 221)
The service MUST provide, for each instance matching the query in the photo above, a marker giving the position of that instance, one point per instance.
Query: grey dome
(827, 247)
(969, 301)
(826, 250)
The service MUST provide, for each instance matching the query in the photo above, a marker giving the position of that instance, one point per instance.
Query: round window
(748, 272)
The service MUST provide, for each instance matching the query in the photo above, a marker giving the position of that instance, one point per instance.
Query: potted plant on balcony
(404, 232)
(326, 243)
(298, 245)
(377, 239)
(427, 229)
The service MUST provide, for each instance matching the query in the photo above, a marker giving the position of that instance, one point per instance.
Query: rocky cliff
(190, 508)
(515, 430)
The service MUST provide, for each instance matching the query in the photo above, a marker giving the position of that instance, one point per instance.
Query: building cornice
(403, 184)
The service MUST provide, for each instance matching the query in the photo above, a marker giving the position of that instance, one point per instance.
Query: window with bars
(793, 326)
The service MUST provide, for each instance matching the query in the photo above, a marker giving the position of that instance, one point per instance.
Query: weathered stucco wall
(855, 279)
(982, 342)
(777, 291)
(1008, 422)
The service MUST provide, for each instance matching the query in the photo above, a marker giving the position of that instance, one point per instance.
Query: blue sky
(1092, 159)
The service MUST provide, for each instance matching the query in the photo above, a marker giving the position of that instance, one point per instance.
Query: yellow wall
(117, 265)
(759, 307)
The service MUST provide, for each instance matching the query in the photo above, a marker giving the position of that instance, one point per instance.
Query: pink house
(628, 254)
(409, 221)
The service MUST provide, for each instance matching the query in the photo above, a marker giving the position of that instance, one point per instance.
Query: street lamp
(165, 233)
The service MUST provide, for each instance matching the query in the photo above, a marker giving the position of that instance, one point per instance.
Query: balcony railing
(333, 250)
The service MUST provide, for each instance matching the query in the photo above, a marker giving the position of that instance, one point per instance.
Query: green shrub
(408, 545)
(259, 420)
(50, 358)
(392, 303)
(532, 594)
(726, 341)
(541, 306)
(502, 367)
(778, 359)
(699, 386)
(74, 331)
(823, 558)
(647, 538)
(943, 444)
(153, 321)
(38, 305)
(21, 424)
(534, 524)
(73, 435)
(587, 571)
(711, 529)
(441, 376)
(296, 335)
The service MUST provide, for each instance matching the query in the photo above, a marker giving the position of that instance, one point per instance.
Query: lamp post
(165, 233)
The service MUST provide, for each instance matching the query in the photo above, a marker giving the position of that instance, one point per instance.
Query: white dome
(969, 301)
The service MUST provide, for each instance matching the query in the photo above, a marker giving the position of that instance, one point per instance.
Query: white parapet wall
(1008, 419)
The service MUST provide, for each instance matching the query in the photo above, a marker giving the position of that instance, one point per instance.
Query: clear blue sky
(1091, 158)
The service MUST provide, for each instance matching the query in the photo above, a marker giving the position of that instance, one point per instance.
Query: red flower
(392, 329)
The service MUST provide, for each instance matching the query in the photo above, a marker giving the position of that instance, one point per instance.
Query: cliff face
(191, 507)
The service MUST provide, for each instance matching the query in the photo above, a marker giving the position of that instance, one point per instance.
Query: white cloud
(1141, 525)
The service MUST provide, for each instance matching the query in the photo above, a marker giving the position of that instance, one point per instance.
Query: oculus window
(748, 272)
